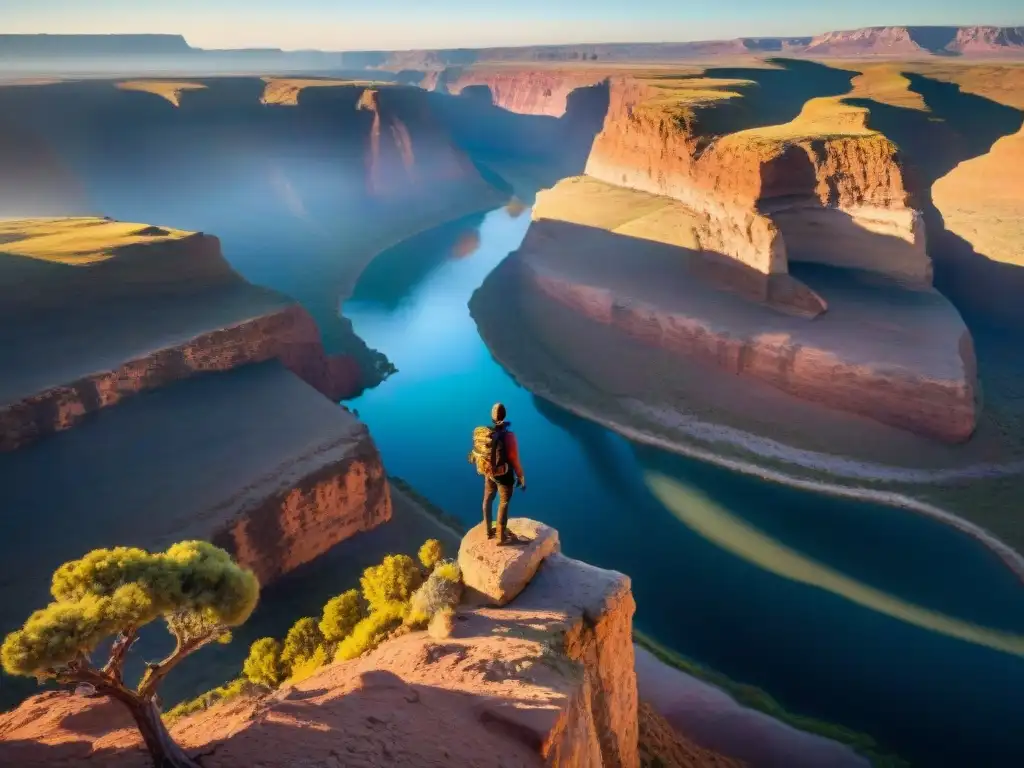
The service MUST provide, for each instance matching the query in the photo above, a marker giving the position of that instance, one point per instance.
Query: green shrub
(226, 692)
(393, 581)
(263, 665)
(306, 667)
(430, 554)
(442, 589)
(372, 631)
(301, 643)
(450, 571)
(341, 614)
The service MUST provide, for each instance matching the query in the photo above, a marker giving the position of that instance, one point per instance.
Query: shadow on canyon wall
(958, 126)
(505, 142)
(395, 275)
(780, 94)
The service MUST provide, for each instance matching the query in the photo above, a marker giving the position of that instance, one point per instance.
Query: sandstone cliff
(524, 91)
(821, 188)
(335, 171)
(919, 41)
(545, 680)
(252, 459)
(98, 310)
(901, 356)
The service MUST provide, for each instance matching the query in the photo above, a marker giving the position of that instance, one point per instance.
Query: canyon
(758, 245)
(688, 207)
(192, 403)
(173, 53)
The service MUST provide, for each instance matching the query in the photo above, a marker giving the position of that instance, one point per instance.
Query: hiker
(496, 456)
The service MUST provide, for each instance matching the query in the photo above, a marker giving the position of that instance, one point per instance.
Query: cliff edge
(547, 679)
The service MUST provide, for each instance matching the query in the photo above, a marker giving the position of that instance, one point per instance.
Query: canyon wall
(65, 309)
(547, 680)
(176, 400)
(524, 91)
(822, 188)
(925, 386)
(335, 173)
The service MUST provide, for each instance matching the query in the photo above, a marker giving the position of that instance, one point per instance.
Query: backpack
(488, 452)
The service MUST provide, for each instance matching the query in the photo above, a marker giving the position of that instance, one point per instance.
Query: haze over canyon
(755, 308)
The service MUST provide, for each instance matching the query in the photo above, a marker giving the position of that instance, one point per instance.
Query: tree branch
(104, 684)
(118, 651)
(157, 672)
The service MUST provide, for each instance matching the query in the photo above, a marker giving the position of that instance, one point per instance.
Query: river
(934, 698)
(704, 586)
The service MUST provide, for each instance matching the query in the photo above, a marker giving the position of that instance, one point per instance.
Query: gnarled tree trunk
(164, 750)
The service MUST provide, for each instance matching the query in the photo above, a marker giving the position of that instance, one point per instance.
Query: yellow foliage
(307, 666)
(197, 585)
(393, 581)
(226, 692)
(341, 614)
(449, 571)
(441, 591)
(372, 631)
(263, 664)
(430, 553)
(301, 643)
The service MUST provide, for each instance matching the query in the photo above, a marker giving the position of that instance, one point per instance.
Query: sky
(401, 24)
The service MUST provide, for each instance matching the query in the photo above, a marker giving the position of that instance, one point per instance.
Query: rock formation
(68, 288)
(691, 232)
(499, 574)
(175, 400)
(822, 188)
(920, 41)
(525, 91)
(344, 171)
(546, 680)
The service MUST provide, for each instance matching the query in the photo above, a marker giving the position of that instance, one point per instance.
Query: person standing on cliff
(496, 456)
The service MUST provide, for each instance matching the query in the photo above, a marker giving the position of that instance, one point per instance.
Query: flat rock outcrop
(96, 311)
(899, 355)
(982, 201)
(498, 574)
(546, 680)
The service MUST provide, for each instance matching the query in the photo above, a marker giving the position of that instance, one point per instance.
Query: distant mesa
(167, 89)
(15, 46)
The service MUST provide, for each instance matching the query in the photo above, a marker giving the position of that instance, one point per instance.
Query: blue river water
(933, 699)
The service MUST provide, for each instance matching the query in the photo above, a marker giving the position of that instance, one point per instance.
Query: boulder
(496, 574)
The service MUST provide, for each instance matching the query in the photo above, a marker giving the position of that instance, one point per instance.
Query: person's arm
(512, 448)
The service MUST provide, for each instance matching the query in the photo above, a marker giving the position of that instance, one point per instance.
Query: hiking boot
(509, 539)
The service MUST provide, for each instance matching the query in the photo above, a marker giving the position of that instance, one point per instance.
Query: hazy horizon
(338, 25)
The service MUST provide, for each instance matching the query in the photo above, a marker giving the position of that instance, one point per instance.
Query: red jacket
(512, 452)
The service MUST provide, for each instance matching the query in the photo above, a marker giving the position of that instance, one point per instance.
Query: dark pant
(503, 486)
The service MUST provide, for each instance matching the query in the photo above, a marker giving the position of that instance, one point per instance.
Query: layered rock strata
(522, 90)
(822, 188)
(253, 459)
(546, 680)
(899, 355)
(83, 332)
